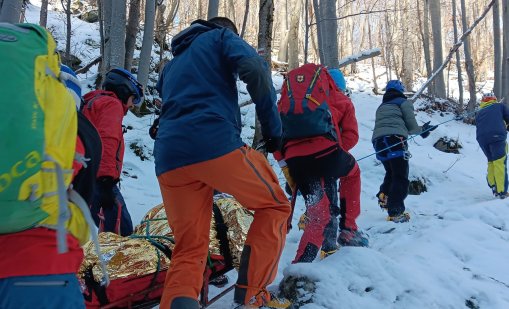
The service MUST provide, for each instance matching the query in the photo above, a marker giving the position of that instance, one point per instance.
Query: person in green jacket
(395, 120)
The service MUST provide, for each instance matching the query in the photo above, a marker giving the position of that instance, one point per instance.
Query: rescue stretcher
(137, 264)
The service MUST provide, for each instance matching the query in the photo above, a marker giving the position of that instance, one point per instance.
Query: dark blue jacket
(200, 117)
(491, 121)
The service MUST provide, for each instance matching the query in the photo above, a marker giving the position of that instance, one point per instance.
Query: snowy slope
(454, 252)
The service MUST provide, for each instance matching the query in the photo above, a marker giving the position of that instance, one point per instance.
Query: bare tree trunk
(213, 9)
(306, 30)
(319, 30)
(505, 57)
(331, 57)
(43, 16)
(407, 67)
(370, 40)
(438, 57)
(265, 18)
(425, 41)
(10, 11)
(131, 32)
(469, 64)
(68, 28)
(497, 50)
(106, 18)
(293, 36)
(117, 33)
(244, 21)
(148, 40)
(458, 59)
(282, 54)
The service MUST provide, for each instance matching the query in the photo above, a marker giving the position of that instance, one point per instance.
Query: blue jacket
(200, 117)
(491, 121)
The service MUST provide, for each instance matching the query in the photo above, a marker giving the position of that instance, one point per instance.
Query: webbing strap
(82, 205)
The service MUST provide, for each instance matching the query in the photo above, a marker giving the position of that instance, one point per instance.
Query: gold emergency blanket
(137, 256)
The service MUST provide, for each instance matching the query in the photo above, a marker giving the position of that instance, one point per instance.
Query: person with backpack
(394, 121)
(350, 185)
(106, 108)
(318, 126)
(41, 230)
(198, 143)
(491, 132)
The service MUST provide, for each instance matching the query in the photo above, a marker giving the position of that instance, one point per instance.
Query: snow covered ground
(453, 253)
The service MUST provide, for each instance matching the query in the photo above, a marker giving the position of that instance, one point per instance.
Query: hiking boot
(351, 238)
(303, 221)
(382, 200)
(324, 254)
(277, 302)
(274, 303)
(219, 281)
(502, 195)
(401, 218)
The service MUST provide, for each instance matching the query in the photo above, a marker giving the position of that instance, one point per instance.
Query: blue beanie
(339, 79)
(396, 85)
(71, 81)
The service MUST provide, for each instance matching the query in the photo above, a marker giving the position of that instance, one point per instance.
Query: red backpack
(304, 103)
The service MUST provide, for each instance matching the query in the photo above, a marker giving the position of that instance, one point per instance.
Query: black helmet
(124, 85)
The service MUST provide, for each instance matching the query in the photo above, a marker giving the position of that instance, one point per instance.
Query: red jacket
(106, 112)
(343, 114)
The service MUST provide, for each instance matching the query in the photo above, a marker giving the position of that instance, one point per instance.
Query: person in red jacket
(105, 109)
(313, 165)
(350, 189)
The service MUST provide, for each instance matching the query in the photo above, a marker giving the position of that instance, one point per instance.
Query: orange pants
(188, 196)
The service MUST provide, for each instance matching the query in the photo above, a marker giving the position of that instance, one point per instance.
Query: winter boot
(351, 238)
(502, 195)
(382, 200)
(274, 303)
(401, 218)
(324, 254)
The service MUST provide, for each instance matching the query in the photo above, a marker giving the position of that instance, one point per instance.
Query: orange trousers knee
(188, 196)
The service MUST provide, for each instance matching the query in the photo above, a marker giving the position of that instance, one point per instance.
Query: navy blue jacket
(491, 121)
(200, 117)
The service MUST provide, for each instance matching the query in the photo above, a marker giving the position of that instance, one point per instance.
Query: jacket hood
(486, 104)
(392, 94)
(99, 93)
(183, 39)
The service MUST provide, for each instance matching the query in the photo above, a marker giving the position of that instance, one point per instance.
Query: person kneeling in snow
(491, 130)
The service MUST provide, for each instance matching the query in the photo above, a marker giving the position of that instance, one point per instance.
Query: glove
(105, 187)
(153, 129)
(272, 144)
(289, 179)
(426, 129)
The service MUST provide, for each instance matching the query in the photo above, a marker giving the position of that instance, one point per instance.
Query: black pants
(395, 184)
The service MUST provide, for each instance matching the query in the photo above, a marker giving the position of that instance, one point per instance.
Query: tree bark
(117, 33)
(244, 21)
(469, 64)
(293, 36)
(148, 40)
(330, 45)
(282, 54)
(43, 16)
(497, 50)
(426, 41)
(505, 57)
(68, 28)
(10, 11)
(320, 35)
(438, 56)
(131, 32)
(213, 9)
(458, 59)
(407, 67)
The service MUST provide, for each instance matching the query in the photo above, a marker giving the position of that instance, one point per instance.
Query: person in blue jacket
(491, 126)
(198, 149)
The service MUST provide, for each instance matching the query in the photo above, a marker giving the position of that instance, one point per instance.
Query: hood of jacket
(183, 39)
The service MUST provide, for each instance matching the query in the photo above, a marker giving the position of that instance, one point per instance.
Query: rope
(459, 117)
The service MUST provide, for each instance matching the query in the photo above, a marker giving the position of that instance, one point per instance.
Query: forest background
(412, 37)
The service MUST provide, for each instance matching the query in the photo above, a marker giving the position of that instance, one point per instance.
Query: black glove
(272, 144)
(426, 129)
(105, 187)
(153, 129)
